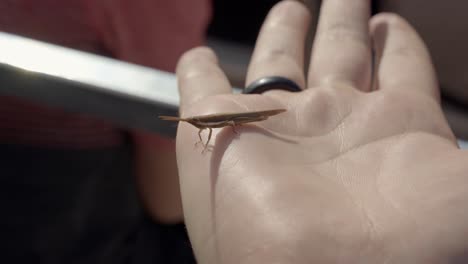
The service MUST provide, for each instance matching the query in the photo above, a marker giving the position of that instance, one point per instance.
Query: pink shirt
(153, 33)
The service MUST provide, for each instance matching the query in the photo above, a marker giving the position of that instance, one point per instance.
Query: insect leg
(199, 136)
(233, 125)
(208, 140)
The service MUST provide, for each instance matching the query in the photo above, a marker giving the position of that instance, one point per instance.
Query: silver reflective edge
(125, 93)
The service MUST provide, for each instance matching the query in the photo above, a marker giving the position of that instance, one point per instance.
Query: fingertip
(292, 9)
(380, 23)
(399, 50)
(199, 76)
(194, 56)
(386, 17)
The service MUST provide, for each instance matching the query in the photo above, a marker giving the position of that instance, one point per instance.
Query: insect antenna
(172, 118)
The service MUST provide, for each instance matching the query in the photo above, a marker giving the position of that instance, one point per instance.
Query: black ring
(271, 83)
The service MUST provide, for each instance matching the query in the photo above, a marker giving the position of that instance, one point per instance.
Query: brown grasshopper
(223, 119)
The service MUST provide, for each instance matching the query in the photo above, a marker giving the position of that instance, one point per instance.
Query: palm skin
(344, 176)
(352, 183)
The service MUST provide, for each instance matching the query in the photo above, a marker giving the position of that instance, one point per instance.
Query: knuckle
(325, 107)
(277, 61)
(406, 52)
(276, 55)
(403, 51)
(323, 96)
(343, 32)
(326, 99)
(333, 93)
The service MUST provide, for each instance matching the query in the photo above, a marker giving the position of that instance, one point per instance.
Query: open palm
(358, 170)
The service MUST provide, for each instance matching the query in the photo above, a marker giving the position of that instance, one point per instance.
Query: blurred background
(80, 189)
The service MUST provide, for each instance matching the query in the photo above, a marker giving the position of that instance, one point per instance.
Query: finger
(402, 58)
(341, 51)
(279, 49)
(199, 76)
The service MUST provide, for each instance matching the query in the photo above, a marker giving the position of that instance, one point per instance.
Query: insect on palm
(222, 120)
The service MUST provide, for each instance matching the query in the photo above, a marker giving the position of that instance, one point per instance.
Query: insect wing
(233, 116)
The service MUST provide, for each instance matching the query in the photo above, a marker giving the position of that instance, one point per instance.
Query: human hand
(447, 44)
(356, 171)
(447, 41)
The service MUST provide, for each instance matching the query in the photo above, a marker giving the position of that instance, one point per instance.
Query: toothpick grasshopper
(223, 119)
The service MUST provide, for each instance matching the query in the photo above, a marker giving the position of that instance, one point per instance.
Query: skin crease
(345, 175)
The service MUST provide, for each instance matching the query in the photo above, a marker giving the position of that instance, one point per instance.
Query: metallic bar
(127, 94)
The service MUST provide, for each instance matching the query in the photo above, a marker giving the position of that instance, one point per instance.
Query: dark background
(239, 21)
